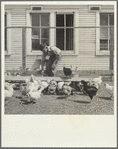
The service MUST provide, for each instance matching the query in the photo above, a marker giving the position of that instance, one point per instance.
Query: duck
(9, 91)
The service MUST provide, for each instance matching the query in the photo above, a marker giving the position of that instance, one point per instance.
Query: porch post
(111, 48)
(23, 48)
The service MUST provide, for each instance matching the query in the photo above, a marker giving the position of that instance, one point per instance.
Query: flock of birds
(33, 89)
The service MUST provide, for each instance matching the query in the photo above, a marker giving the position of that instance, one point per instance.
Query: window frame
(64, 27)
(52, 32)
(98, 51)
(8, 24)
(40, 32)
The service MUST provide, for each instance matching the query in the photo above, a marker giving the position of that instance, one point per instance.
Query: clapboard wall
(86, 59)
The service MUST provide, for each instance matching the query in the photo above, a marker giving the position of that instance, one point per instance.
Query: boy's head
(42, 46)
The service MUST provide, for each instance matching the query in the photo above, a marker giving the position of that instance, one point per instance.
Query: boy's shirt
(52, 51)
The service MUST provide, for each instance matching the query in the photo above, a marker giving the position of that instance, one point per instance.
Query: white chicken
(34, 95)
(9, 91)
(67, 90)
(94, 84)
(64, 88)
(109, 89)
(7, 85)
(43, 86)
(32, 85)
(59, 85)
(97, 80)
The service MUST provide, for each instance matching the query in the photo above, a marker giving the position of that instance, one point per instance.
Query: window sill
(69, 53)
(103, 53)
(34, 53)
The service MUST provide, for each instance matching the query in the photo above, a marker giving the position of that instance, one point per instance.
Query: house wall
(86, 58)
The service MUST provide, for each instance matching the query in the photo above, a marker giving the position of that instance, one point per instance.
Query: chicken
(23, 90)
(7, 85)
(34, 95)
(43, 86)
(5, 73)
(90, 90)
(27, 69)
(52, 88)
(32, 78)
(8, 74)
(97, 80)
(67, 90)
(33, 87)
(109, 89)
(67, 71)
(9, 91)
(37, 69)
(94, 84)
(59, 87)
(79, 86)
(32, 84)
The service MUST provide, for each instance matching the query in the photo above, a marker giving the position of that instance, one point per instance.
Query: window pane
(103, 44)
(69, 39)
(35, 44)
(45, 41)
(44, 33)
(103, 19)
(45, 20)
(35, 19)
(69, 20)
(103, 33)
(111, 20)
(60, 38)
(36, 32)
(59, 20)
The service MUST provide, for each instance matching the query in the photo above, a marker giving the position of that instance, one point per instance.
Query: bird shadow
(81, 101)
(26, 102)
(19, 97)
(106, 98)
(62, 97)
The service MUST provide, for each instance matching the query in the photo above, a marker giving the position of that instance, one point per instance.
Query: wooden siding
(86, 58)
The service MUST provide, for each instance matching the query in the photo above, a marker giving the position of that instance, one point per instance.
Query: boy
(54, 54)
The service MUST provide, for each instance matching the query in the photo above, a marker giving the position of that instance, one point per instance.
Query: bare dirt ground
(78, 104)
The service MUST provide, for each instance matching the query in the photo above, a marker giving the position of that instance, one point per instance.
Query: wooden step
(21, 79)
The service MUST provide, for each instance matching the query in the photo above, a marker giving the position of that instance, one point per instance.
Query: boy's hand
(53, 66)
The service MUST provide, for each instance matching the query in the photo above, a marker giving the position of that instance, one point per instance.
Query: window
(104, 34)
(52, 28)
(105, 20)
(7, 32)
(40, 30)
(64, 32)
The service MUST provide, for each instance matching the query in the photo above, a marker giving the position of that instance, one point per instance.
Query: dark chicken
(90, 90)
(67, 71)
